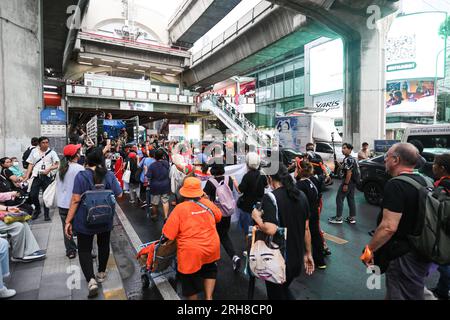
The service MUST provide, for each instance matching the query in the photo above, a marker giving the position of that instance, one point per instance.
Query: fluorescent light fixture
(156, 72)
(107, 60)
(104, 65)
(86, 63)
(50, 87)
(170, 74)
(86, 57)
(50, 92)
(144, 65)
(161, 68)
(122, 68)
(139, 70)
(126, 63)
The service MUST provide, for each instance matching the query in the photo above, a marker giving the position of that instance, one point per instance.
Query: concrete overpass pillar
(360, 25)
(365, 84)
(21, 70)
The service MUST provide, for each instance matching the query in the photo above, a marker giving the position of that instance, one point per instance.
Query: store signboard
(384, 145)
(414, 48)
(136, 106)
(327, 67)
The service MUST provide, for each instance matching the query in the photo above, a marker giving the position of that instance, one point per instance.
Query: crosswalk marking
(334, 239)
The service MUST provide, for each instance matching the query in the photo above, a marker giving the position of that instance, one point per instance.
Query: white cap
(253, 160)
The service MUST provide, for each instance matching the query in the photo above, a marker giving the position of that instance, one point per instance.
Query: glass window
(279, 93)
(288, 88)
(299, 86)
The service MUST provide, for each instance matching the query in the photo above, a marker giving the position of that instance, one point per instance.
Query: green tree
(445, 27)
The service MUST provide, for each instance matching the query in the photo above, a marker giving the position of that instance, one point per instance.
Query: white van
(435, 138)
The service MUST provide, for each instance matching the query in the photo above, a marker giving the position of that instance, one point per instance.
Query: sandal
(72, 255)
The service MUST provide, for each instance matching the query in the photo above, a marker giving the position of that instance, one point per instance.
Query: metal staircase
(236, 122)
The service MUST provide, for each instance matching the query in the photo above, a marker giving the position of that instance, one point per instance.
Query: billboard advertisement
(327, 67)
(413, 45)
(414, 97)
(293, 132)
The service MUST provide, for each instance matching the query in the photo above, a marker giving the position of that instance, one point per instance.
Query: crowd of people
(172, 174)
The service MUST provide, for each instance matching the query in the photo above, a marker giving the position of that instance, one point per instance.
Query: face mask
(15, 164)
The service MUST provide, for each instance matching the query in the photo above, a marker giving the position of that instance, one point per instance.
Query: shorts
(193, 283)
(157, 198)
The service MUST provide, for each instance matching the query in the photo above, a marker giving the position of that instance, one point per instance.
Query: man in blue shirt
(159, 184)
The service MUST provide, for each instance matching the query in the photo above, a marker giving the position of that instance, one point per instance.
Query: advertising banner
(294, 132)
(415, 97)
(414, 48)
(176, 130)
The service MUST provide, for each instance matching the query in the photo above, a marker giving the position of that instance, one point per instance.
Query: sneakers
(321, 266)
(335, 220)
(38, 255)
(236, 263)
(101, 277)
(6, 293)
(93, 288)
(350, 220)
(35, 255)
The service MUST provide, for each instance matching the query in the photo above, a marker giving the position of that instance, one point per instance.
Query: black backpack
(356, 173)
(25, 156)
(431, 235)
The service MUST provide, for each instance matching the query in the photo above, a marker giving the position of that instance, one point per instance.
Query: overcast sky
(238, 12)
(411, 6)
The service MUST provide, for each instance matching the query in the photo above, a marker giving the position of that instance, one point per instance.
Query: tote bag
(127, 174)
(267, 259)
(49, 195)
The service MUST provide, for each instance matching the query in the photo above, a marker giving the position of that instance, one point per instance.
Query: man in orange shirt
(193, 224)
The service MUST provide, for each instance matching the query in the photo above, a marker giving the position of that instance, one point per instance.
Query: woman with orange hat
(193, 224)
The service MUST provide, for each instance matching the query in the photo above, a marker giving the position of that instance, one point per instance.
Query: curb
(161, 282)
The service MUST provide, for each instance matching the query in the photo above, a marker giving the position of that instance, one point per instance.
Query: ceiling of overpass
(55, 31)
(290, 43)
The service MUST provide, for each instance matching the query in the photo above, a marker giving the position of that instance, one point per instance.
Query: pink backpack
(224, 197)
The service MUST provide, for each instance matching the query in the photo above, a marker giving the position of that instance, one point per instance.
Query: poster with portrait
(294, 132)
(415, 97)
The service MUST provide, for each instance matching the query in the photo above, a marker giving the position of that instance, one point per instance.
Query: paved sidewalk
(52, 278)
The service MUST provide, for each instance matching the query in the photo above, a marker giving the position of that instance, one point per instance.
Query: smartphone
(108, 142)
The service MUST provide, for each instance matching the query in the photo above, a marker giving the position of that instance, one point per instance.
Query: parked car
(373, 179)
(374, 176)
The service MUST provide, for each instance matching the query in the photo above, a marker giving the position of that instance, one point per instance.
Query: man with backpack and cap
(192, 224)
(394, 247)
